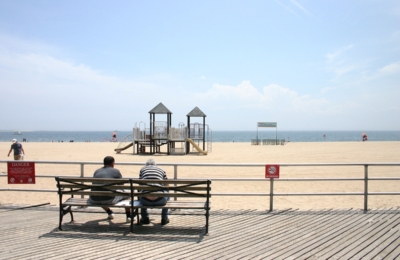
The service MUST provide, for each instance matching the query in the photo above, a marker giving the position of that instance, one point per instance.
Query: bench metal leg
(69, 210)
(63, 212)
(137, 216)
(207, 219)
(61, 215)
(131, 224)
(134, 212)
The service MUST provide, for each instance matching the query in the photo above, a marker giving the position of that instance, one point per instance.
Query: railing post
(271, 194)
(175, 176)
(82, 175)
(366, 187)
(82, 170)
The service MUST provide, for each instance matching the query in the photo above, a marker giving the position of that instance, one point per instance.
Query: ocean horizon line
(210, 136)
(259, 130)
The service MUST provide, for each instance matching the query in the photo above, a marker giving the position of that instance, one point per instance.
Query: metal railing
(365, 166)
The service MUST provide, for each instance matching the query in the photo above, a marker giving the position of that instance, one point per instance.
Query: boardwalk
(31, 233)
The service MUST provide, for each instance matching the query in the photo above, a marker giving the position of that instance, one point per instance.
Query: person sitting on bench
(108, 171)
(151, 171)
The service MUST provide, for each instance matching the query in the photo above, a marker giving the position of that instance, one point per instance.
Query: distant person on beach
(108, 171)
(18, 150)
(151, 171)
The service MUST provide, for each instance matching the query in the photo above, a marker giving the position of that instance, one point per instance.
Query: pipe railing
(271, 193)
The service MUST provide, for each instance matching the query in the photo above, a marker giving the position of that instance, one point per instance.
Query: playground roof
(196, 112)
(160, 109)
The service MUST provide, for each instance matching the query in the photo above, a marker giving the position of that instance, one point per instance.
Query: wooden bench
(196, 191)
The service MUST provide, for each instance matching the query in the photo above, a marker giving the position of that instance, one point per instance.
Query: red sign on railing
(21, 172)
(271, 171)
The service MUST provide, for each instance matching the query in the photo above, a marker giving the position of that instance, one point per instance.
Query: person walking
(18, 150)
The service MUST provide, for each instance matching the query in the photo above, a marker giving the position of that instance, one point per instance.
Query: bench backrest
(134, 187)
(100, 186)
(175, 188)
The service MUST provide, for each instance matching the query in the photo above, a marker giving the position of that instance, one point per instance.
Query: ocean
(215, 136)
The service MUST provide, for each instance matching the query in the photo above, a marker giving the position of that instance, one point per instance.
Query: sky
(98, 65)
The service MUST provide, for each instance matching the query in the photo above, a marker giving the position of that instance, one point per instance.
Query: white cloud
(56, 93)
(49, 74)
(396, 10)
(390, 69)
(10, 44)
(244, 104)
(244, 91)
(326, 90)
(288, 6)
(339, 63)
(272, 97)
(300, 6)
(332, 57)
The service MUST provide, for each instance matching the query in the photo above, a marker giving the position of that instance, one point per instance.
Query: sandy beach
(299, 153)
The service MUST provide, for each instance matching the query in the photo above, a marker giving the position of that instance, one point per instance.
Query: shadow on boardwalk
(243, 234)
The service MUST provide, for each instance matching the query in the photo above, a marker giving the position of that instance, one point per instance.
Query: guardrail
(271, 194)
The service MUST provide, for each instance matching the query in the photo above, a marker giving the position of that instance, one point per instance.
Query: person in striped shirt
(151, 171)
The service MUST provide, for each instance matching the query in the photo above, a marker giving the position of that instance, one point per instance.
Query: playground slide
(118, 150)
(196, 146)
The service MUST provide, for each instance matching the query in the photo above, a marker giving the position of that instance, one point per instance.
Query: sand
(242, 153)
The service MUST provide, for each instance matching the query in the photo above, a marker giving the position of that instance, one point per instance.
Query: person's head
(109, 161)
(14, 141)
(150, 162)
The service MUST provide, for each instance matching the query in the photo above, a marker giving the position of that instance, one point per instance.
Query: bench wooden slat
(170, 205)
(171, 195)
(204, 188)
(90, 180)
(135, 194)
(127, 180)
(86, 202)
(170, 181)
(97, 193)
(178, 205)
(89, 186)
(121, 187)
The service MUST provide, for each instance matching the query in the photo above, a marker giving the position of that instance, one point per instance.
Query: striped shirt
(152, 172)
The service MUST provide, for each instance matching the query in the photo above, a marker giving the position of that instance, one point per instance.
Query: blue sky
(103, 65)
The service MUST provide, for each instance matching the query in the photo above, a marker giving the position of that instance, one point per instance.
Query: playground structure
(177, 140)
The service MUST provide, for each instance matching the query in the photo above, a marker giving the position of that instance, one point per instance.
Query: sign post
(21, 172)
(271, 172)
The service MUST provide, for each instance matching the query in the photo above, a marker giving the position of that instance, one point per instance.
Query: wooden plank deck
(31, 233)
